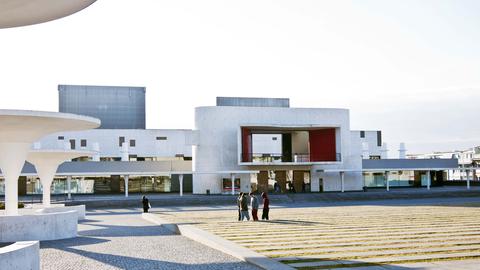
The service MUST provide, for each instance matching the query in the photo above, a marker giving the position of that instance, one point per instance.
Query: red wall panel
(322, 145)
(246, 145)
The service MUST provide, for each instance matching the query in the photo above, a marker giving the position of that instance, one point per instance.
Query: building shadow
(107, 230)
(138, 263)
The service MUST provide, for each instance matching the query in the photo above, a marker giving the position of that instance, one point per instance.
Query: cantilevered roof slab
(14, 13)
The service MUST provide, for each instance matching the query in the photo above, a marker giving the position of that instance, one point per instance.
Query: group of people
(251, 199)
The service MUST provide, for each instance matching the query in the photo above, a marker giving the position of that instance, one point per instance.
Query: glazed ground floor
(272, 181)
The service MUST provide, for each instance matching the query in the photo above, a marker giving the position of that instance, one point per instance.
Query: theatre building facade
(240, 144)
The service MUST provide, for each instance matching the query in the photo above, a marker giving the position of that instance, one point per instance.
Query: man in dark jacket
(266, 206)
(244, 207)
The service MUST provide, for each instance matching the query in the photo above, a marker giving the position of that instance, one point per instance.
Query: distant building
(118, 107)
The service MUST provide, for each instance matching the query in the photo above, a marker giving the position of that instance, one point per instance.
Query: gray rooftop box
(253, 102)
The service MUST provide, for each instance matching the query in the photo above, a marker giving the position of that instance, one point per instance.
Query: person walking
(239, 206)
(254, 206)
(266, 206)
(244, 207)
(146, 204)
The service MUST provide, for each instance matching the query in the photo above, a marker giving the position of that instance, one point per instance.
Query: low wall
(20, 256)
(79, 208)
(38, 227)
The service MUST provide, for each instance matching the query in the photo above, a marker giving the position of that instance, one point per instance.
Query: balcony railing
(279, 158)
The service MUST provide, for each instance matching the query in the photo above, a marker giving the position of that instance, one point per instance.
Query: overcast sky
(409, 68)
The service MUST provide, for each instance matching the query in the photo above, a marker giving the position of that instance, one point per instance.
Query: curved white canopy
(18, 130)
(28, 126)
(46, 163)
(15, 13)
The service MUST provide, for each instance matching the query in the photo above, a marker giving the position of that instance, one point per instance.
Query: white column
(46, 175)
(12, 158)
(428, 180)
(233, 183)
(388, 182)
(180, 180)
(342, 178)
(468, 178)
(69, 187)
(125, 179)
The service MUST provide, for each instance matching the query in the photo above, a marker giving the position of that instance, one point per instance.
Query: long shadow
(72, 242)
(124, 231)
(293, 222)
(127, 262)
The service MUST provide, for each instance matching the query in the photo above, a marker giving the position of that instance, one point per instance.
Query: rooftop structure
(118, 107)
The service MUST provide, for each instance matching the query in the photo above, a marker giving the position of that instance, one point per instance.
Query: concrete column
(388, 182)
(46, 174)
(12, 158)
(233, 183)
(428, 180)
(342, 178)
(468, 178)
(69, 187)
(125, 179)
(180, 180)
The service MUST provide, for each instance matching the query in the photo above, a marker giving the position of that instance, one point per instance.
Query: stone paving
(354, 237)
(121, 239)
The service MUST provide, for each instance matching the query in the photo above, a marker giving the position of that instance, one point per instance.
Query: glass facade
(114, 184)
(395, 178)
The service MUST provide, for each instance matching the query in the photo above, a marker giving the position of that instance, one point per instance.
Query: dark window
(274, 138)
(161, 138)
(187, 158)
(83, 143)
(121, 140)
(132, 143)
(362, 134)
(379, 138)
(72, 144)
(61, 138)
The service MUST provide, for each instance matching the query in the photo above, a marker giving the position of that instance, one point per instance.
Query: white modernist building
(241, 144)
(294, 145)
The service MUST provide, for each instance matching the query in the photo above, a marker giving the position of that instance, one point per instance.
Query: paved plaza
(394, 236)
(121, 239)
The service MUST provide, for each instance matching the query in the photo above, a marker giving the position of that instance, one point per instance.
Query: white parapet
(39, 227)
(21, 256)
(80, 209)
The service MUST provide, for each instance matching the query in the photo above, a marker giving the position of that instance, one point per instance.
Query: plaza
(396, 234)
(293, 99)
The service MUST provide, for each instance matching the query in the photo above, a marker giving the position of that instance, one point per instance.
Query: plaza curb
(218, 243)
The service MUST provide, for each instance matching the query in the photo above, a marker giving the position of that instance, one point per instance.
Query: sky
(409, 68)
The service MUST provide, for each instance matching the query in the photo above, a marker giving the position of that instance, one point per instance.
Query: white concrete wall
(38, 227)
(80, 209)
(218, 138)
(20, 256)
(370, 139)
(264, 143)
(146, 145)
